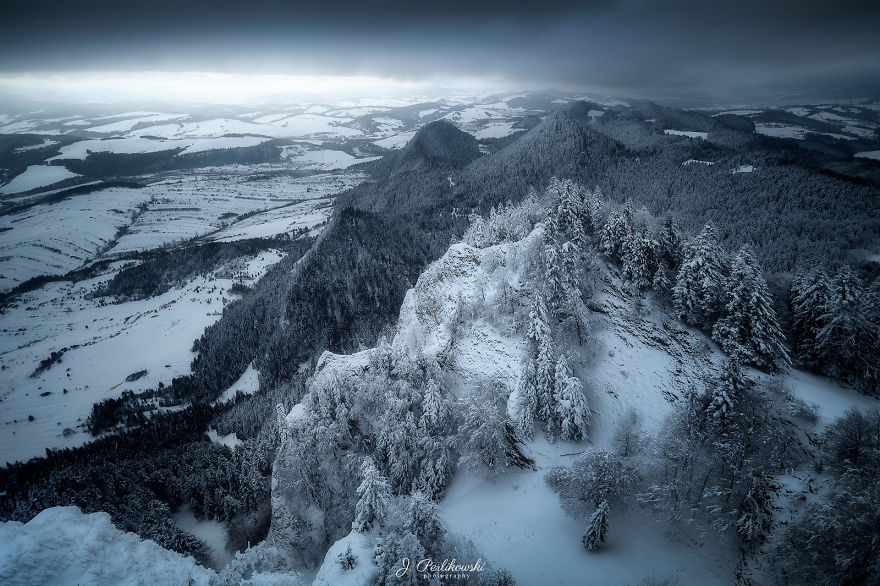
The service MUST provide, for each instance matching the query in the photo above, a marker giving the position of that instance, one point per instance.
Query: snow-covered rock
(63, 546)
(331, 572)
(432, 322)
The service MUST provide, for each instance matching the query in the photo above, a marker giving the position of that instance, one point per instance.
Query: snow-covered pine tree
(551, 225)
(572, 411)
(595, 203)
(573, 215)
(346, 559)
(848, 340)
(483, 432)
(544, 378)
(390, 551)
(722, 397)
(660, 282)
(476, 233)
(615, 236)
(640, 261)
(555, 277)
(434, 411)
(539, 326)
(749, 332)
(437, 464)
(423, 519)
(528, 401)
(756, 509)
(597, 531)
(571, 308)
(670, 244)
(699, 287)
(403, 451)
(374, 497)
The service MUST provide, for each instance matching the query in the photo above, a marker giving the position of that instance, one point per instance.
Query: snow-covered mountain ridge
(461, 339)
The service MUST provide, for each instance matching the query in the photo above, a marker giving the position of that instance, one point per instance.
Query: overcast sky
(659, 49)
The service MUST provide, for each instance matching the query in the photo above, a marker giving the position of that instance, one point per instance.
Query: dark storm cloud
(657, 48)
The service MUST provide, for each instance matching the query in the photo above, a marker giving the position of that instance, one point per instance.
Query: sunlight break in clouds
(213, 88)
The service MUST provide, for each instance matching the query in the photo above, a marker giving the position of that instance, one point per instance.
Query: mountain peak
(439, 144)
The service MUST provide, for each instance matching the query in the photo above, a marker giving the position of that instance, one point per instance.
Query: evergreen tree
(594, 206)
(810, 295)
(571, 406)
(555, 277)
(749, 332)
(374, 497)
(347, 560)
(724, 393)
(544, 379)
(423, 519)
(434, 411)
(538, 323)
(848, 342)
(640, 261)
(483, 432)
(389, 553)
(571, 307)
(528, 401)
(660, 282)
(597, 532)
(615, 236)
(756, 509)
(699, 287)
(670, 244)
(437, 464)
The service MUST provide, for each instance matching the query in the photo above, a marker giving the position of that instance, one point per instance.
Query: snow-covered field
(687, 133)
(396, 141)
(37, 176)
(52, 239)
(285, 127)
(209, 203)
(299, 157)
(133, 145)
(105, 345)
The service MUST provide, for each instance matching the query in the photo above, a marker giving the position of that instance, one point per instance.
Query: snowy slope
(62, 546)
(331, 573)
(105, 345)
(52, 239)
(37, 176)
(516, 521)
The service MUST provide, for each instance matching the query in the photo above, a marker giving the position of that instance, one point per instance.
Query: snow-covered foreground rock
(62, 546)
